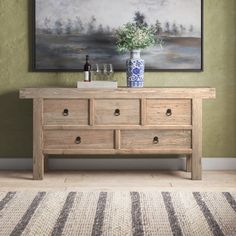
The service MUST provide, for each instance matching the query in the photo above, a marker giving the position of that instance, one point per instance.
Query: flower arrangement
(133, 36)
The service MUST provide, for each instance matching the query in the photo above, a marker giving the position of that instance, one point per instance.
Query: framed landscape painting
(65, 31)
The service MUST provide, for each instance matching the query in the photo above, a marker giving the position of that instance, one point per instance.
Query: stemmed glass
(97, 72)
(108, 71)
(105, 73)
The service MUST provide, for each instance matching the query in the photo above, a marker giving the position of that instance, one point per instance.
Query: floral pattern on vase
(135, 70)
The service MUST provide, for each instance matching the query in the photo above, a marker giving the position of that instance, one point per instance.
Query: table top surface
(175, 92)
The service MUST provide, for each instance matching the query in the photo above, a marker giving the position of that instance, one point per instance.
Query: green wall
(219, 116)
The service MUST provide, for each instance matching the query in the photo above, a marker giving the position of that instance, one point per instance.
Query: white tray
(97, 84)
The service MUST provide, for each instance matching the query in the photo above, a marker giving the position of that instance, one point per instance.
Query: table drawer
(117, 112)
(168, 112)
(79, 139)
(65, 112)
(155, 139)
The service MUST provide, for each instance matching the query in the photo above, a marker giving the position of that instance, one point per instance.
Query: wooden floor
(118, 180)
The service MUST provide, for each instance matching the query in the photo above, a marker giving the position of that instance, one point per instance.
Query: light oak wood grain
(101, 127)
(76, 152)
(117, 139)
(145, 139)
(143, 111)
(118, 180)
(89, 139)
(169, 112)
(38, 157)
(132, 152)
(54, 112)
(188, 163)
(128, 112)
(141, 125)
(131, 93)
(197, 140)
(91, 112)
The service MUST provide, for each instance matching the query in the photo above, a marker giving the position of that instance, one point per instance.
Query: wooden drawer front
(168, 112)
(65, 112)
(117, 111)
(155, 139)
(80, 139)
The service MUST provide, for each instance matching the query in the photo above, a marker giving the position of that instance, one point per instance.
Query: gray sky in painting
(118, 12)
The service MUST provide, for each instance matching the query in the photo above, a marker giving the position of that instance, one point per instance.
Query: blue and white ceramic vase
(135, 70)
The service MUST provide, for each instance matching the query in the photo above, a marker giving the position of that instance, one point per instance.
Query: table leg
(188, 163)
(197, 139)
(38, 157)
(38, 167)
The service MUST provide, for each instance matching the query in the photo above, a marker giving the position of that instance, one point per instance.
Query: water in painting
(67, 30)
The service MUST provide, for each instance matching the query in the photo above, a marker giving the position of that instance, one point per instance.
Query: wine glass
(110, 71)
(96, 72)
(105, 72)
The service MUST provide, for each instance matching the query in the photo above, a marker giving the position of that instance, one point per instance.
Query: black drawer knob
(168, 112)
(117, 112)
(78, 140)
(155, 140)
(65, 112)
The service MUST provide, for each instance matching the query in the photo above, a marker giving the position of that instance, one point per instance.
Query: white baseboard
(211, 163)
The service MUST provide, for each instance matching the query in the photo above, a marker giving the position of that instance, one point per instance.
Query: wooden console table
(118, 121)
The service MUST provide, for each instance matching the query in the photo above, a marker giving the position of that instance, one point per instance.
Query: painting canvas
(65, 31)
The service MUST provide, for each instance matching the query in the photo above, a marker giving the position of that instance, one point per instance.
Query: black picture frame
(36, 68)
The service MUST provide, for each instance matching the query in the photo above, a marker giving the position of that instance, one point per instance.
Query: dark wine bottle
(87, 70)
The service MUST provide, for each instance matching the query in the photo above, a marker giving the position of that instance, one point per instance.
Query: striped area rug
(117, 213)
